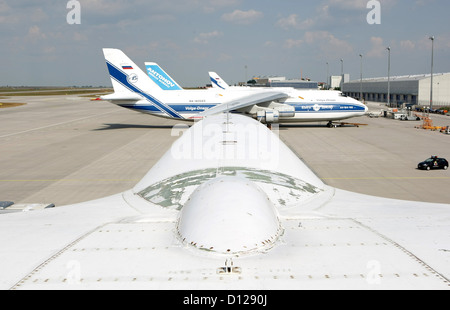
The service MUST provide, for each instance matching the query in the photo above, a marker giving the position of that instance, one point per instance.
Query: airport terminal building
(410, 90)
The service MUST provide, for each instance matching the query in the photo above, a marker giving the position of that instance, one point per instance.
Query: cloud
(211, 6)
(320, 44)
(378, 48)
(112, 12)
(293, 22)
(441, 42)
(5, 13)
(19, 15)
(291, 43)
(35, 34)
(330, 14)
(328, 43)
(355, 5)
(203, 38)
(224, 57)
(407, 45)
(243, 17)
(4, 7)
(347, 4)
(289, 22)
(104, 7)
(334, 13)
(178, 6)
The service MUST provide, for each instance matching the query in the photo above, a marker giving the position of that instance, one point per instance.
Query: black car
(434, 163)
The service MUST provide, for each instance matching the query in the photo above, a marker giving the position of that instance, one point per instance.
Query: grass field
(51, 91)
(7, 92)
(10, 104)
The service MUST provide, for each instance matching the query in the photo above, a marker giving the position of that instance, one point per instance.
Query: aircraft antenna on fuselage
(228, 116)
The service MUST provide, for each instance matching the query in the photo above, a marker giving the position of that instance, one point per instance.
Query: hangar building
(281, 81)
(410, 89)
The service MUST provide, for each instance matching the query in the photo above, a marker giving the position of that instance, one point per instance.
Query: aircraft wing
(245, 101)
(229, 209)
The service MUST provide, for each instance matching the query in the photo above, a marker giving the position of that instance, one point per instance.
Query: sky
(238, 39)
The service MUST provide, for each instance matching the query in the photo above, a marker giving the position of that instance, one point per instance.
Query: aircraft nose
(362, 105)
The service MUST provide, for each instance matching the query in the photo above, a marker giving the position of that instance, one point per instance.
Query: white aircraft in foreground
(229, 206)
(158, 94)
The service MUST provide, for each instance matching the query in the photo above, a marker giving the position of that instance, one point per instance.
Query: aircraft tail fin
(217, 81)
(160, 77)
(132, 84)
(126, 77)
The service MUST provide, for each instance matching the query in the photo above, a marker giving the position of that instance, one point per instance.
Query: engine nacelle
(284, 110)
(273, 112)
(268, 116)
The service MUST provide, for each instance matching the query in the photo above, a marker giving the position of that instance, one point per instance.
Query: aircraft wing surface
(245, 101)
(236, 211)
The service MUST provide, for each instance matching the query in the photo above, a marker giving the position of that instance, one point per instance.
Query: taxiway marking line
(58, 124)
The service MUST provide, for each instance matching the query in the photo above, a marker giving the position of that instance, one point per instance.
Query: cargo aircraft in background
(158, 94)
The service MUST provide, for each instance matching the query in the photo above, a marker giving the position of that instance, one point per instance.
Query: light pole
(328, 74)
(432, 65)
(389, 78)
(342, 74)
(360, 87)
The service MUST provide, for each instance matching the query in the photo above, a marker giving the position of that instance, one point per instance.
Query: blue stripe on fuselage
(326, 107)
(179, 108)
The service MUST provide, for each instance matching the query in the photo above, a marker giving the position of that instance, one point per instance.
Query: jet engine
(268, 116)
(274, 112)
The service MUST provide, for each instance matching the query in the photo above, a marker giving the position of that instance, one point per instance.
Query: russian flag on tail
(127, 67)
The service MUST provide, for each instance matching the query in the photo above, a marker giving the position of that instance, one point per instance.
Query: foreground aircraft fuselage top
(158, 94)
(229, 206)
